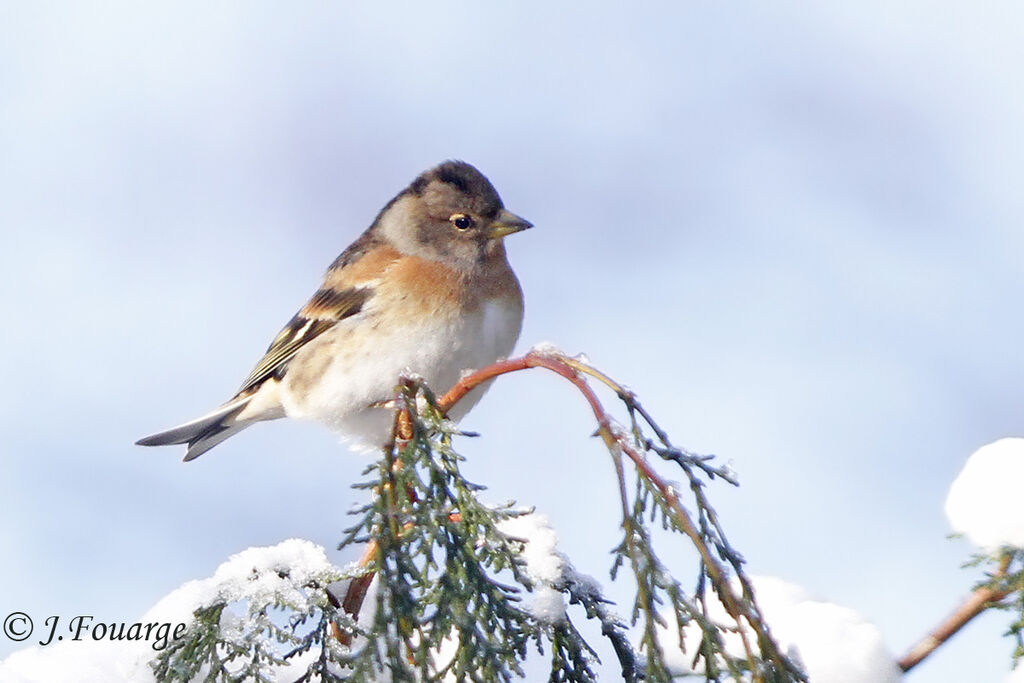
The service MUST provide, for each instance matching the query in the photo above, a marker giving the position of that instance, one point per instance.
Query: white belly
(363, 365)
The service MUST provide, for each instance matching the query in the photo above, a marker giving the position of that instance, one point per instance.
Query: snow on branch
(985, 501)
(466, 590)
(264, 615)
(832, 643)
(984, 505)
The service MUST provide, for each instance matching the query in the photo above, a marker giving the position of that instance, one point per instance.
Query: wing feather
(327, 307)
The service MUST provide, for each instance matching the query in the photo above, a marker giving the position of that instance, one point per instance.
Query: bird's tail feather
(204, 432)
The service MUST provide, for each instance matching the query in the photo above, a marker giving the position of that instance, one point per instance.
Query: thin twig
(607, 434)
(355, 594)
(569, 369)
(977, 602)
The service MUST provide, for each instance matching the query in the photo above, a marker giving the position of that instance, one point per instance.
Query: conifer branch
(742, 607)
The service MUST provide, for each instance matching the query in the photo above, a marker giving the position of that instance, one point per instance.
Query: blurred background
(794, 231)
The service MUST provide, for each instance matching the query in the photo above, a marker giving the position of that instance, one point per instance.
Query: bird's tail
(204, 432)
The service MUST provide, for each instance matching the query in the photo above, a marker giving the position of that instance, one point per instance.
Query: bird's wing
(348, 285)
(327, 307)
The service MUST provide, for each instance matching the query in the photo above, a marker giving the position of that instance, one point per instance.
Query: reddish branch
(977, 602)
(668, 492)
(617, 444)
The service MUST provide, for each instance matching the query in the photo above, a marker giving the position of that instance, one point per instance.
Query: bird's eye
(461, 221)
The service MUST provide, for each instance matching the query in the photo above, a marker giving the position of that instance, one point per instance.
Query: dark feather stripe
(326, 302)
(325, 309)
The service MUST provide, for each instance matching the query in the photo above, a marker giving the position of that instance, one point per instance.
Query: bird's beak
(507, 223)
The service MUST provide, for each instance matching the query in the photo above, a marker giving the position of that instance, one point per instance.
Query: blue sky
(794, 231)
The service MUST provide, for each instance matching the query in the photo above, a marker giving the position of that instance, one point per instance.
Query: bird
(427, 289)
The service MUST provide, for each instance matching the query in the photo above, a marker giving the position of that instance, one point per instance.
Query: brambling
(427, 289)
